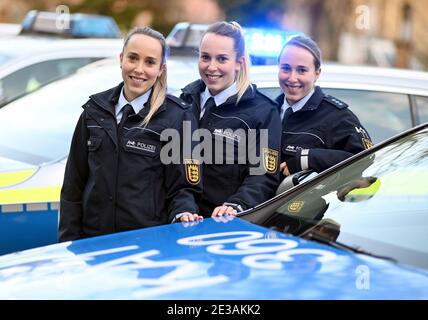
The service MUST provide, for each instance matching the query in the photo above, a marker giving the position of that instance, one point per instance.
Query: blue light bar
(266, 43)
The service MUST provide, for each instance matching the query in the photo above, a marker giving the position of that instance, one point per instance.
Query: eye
(222, 59)
(132, 57)
(301, 70)
(286, 68)
(204, 57)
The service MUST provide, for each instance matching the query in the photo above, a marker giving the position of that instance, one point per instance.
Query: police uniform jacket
(228, 181)
(115, 181)
(321, 134)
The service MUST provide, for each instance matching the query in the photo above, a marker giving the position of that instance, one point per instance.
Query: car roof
(356, 77)
(62, 49)
(9, 29)
(25, 46)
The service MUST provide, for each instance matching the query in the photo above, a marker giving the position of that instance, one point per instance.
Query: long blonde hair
(234, 30)
(159, 88)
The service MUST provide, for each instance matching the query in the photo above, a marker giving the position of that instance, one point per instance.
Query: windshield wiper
(340, 245)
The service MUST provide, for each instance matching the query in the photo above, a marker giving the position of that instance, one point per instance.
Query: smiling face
(297, 74)
(141, 63)
(218, 64)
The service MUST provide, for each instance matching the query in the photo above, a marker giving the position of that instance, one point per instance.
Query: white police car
(34, 148)
(48, 61)
(35, 136)
(42, 49)
(387, 101)
(356, 231)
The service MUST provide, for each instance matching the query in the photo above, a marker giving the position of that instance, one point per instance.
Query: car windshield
(378, 203)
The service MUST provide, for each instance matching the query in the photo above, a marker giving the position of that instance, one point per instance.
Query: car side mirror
(295, 179)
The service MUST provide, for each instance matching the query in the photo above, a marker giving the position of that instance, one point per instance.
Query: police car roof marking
(305, 133)
(232, 118)
(142, 129)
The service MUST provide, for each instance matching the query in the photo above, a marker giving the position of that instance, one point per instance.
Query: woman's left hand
(223, 210)
(284, 169)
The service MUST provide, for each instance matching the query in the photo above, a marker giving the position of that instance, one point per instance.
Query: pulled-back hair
(233, 30)
(159, 88)
(305, 43)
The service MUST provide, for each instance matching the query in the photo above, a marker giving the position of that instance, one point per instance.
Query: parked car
(31, 178)
(69, 25)
(263, 44)
(355, 231)
(387, 101)
(51, 61)
(34, 149)
(44, 48)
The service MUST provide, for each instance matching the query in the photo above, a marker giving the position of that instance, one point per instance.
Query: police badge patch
(270, 160)
(295, 206)
(367, 143)
(193, 172)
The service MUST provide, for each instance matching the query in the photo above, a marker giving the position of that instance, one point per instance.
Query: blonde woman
(231, 108)
(115, 179)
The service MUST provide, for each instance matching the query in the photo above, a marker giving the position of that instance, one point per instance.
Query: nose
(139, 67)
(292, 76)
(212, 66)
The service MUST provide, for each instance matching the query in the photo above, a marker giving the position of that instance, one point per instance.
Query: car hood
(209, 260)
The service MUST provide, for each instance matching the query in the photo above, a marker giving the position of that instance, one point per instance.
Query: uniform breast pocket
(312, 138)
(94, 143)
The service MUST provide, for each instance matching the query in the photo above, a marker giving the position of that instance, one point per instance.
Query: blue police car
(355, 231)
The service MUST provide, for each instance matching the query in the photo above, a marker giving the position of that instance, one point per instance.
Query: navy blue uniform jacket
(321, 134)
(232, 182)
(115, 181)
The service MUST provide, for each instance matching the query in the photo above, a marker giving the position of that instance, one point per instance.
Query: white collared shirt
(296, 106)
(218, 98)
(137, 104)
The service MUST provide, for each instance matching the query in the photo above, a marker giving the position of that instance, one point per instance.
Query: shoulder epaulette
(336, 102)
(178, 101)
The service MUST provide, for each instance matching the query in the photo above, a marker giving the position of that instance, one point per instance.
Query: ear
(240, 63)
(121, 59)
(162, 69)
(317, 73)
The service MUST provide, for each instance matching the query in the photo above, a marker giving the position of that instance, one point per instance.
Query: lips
(137, 80)
(213, 77)
(293, 88)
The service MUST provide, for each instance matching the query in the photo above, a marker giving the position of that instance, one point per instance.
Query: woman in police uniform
(232, 109)
(115, 179)
(318, 130)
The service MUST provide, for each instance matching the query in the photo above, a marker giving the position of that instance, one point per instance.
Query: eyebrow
(298, 66)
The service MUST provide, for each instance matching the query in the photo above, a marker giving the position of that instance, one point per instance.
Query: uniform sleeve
(183, 178)
(75, 178)
(346, 138)
(257, 188)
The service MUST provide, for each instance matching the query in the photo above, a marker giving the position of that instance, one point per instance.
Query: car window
(378, 203)
(422, 107)
(370, 107)
(32, 77)
(383, 114)
(37, 129)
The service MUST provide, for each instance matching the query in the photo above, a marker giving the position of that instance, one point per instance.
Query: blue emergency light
(265, 44)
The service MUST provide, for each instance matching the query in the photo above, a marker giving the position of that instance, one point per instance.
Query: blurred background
(391, 33)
